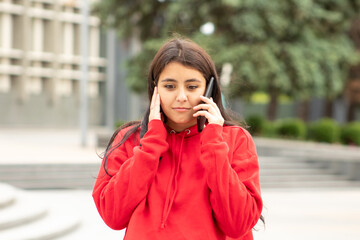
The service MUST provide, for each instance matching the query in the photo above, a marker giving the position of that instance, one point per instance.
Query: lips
(181, 109)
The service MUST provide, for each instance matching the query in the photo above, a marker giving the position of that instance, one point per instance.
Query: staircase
(50, 176)
(281, 172)
(24, 217)
(297, 164)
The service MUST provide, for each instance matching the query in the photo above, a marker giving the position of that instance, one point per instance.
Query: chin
(186, 122)
(191, 121)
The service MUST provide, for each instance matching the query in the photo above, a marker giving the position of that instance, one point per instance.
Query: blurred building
(40, 64)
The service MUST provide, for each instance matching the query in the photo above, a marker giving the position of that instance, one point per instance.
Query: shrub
(324, 130)
(350, 133)
(256, 124)
(292, 128)
(270, 129)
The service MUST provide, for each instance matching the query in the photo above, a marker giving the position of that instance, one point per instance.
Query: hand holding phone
(208, 93)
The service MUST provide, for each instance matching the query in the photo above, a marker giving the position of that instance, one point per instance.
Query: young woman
(162, 179)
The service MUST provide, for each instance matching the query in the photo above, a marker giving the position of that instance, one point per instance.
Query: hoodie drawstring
(167, 199)
(173, 178)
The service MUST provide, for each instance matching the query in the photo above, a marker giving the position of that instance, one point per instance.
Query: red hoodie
(186, 185)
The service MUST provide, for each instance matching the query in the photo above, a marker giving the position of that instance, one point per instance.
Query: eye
(169, 86)
(192, 87)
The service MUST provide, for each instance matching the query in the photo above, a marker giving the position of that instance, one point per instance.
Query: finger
(206, 114)
(216, 106)
(157, 102)
(207, 100)
(152, 104)
(212, 119)
(203, 106)
(155, 107)
(211, 102)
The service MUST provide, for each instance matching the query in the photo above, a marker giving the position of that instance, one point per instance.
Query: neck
(179, 127)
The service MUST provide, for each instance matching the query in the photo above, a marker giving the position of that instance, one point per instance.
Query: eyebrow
(173, 80)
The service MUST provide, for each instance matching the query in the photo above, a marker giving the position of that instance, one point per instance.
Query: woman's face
(180, 88)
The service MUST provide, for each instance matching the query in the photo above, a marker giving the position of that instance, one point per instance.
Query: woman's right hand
(155, 106)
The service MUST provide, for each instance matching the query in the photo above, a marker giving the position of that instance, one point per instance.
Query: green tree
(295, 47)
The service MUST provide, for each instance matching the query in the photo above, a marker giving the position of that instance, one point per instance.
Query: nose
(181, 96)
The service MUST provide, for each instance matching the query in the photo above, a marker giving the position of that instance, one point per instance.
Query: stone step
(29, 218)
(7, 196)
(23, 211)
(52, 226)
(47, 176)
(272, 162)
(17, 168)
(76, 173)
(55, 184)
(312, 150)
(306, 177)
(286, 172)
(302, 178)
(293, 171)
(68, 183)
(309, 184)
(94, 232)
(279, 165)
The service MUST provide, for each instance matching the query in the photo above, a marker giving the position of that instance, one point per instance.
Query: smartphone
(208, 93)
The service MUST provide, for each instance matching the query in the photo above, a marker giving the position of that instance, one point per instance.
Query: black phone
(208, 93)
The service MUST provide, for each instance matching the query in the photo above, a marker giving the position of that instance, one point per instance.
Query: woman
(161, 178)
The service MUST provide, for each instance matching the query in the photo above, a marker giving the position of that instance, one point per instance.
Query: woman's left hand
(210, 110)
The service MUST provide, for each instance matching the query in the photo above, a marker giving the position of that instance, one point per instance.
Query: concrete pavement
(33, 146)
(296, 215)
(80, 203)
(311, 215)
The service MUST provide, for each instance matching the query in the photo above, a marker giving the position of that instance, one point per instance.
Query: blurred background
(72, 71)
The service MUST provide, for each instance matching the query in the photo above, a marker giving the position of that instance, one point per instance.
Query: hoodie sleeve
(233, 179)
(133, 170)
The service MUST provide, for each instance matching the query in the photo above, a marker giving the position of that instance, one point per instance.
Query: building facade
(40, 63)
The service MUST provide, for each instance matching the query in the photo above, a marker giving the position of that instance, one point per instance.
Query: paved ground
(310, 215)
(295, 215)
(290, 214)
(81, 204)
(46, 146)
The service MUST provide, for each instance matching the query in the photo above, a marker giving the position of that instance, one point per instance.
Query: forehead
(179, 72)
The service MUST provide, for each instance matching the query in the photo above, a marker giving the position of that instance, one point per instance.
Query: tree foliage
(295, 47)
